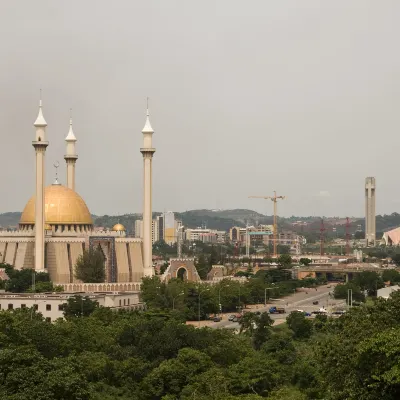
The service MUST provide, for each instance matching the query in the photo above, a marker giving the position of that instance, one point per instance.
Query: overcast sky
(246, 97)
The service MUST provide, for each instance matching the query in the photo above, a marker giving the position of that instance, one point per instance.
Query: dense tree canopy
(151, 355)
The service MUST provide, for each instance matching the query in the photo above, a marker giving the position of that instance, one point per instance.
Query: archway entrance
(182, 274)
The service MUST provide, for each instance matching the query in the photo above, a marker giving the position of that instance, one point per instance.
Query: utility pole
(275, 199)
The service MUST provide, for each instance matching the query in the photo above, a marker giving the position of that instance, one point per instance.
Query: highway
(301, 300)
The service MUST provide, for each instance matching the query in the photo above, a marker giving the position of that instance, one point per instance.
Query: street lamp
(265, 295)
(350, 297)
(205, 290)
(219, 297)
(174, 298)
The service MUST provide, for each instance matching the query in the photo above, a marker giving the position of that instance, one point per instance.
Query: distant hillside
(225, 219)
(10, 219)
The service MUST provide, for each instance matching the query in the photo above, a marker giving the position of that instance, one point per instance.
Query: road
(301, 300)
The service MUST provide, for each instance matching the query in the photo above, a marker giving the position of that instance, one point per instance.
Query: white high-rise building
(139, 229)
(154, 230)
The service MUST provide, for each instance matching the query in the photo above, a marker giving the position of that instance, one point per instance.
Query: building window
(10, 306)
(124, 302)
(48, 307)
(0, 306)
(35, 307)
(48, 319)
(23, 305)
(61, 307)
(120, 303)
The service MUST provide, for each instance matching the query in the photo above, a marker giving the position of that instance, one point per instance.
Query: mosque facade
(56, 226)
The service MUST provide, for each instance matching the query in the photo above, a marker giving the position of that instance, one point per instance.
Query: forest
(152, 355)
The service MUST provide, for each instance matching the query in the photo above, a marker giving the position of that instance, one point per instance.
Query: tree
(78, 306)
(301, 327)
(391, 275)
(369, 281)
(202, 266)
(89, 267)
(396, 259)
(20, 281)
(341, 291)
(284, 261)
(305, 261)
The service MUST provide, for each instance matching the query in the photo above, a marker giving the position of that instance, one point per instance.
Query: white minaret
(147, 150)
(71, 156)
(40, 144)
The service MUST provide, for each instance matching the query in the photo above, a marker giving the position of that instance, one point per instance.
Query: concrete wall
(58, 264)
(121, 253)
(11, 253)
(136, 258)
(76, 250)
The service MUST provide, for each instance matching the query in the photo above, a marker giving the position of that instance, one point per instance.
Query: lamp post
(219, 297)
(350, 297)
(205, 290)
(174, 298)
(265, 295)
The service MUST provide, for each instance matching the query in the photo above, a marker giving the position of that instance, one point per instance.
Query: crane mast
(275, 199)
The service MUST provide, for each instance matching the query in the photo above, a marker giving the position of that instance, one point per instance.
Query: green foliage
(284, 261)
(299, 324)
(305, 261)
(391, 275)
(89, 267)
(20, 281)
(341, 292)
(369, 281)
(78, 306)
(110, 355)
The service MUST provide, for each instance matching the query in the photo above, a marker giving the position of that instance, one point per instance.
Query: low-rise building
(51, 305)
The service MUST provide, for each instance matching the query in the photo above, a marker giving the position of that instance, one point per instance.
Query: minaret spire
(71, 156)
(40, 144)
(147, 151)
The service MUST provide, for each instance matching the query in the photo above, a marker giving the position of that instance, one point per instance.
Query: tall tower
(370, 229)
(147, 151)
(40, 144)
(71, 157)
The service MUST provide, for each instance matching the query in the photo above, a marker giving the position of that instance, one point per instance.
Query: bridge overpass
(328, 270)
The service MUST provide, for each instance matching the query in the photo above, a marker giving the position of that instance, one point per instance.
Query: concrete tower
(370, 229)
(40, 144)
(71, 157)
(147, 151)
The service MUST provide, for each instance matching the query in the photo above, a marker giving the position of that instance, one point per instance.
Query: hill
(225, 219)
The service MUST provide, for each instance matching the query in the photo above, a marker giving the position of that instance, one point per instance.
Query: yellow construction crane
(275, 199)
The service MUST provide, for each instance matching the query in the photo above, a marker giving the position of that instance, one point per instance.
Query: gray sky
(246, 97)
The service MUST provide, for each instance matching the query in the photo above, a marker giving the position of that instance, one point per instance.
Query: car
(217, 319)
(232, 317)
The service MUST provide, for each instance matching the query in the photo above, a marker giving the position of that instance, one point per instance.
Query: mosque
(56, 226)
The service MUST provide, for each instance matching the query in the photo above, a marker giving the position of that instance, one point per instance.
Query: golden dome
(118, 228)
(62, 206)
